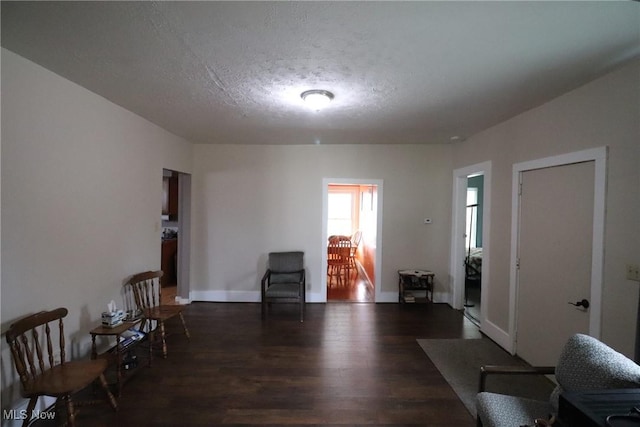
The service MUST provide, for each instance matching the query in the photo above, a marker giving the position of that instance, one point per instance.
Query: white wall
(250, 200)
(605, 112)
(81, 192)
(81, 199)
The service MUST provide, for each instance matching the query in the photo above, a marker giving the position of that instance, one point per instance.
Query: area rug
(459, 362)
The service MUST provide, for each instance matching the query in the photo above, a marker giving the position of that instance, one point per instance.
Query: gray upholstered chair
(284, 280)
(585, 364)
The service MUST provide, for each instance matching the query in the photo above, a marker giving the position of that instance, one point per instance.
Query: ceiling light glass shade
(317, 99)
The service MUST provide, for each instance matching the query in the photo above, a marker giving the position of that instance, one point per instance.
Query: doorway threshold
(471, 318)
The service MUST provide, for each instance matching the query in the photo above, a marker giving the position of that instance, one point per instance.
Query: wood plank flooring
(356, 288)
(347, 364)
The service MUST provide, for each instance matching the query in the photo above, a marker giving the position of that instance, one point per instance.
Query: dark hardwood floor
(347, 364)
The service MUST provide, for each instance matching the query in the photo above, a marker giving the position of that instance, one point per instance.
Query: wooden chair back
(355, 242)
(147, 295)
(338, 251)
(338, 256)
(32, 345)
(355, 239)
(146, 290)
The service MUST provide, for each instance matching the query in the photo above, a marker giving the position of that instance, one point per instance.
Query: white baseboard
(387, 297)
(182, 301)
(225, 296)
(312, 297)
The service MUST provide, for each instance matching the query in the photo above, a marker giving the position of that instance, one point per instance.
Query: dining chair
(147, 294)
(355, 242)
(43, 366)
(338, 260)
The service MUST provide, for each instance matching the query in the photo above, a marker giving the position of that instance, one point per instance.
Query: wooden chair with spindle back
(43, 367)
(338, 254)
(147, 294)
(355, 242)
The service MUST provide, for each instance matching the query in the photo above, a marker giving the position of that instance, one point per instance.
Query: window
(342, 211)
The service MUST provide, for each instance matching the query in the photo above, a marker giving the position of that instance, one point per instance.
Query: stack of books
(408, 297)
(130, 336)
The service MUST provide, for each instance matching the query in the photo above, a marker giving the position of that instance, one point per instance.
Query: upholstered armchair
(585, 364)
(284, 280)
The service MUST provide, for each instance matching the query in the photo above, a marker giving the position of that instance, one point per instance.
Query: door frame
(458, 230)
(599, 156)
(183, 295)
(325, 218)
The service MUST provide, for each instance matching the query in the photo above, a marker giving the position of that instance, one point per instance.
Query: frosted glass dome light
(316, 99)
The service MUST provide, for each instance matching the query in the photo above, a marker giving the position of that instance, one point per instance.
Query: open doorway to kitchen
(351, 241)
(176, 232)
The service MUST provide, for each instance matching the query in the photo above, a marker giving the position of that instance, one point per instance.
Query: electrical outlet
(633, 272)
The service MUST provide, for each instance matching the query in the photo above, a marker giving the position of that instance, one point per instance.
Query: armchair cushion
(502, 410)
(585, 363)
(283, 290)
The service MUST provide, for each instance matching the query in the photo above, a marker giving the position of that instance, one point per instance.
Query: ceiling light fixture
(316, 99)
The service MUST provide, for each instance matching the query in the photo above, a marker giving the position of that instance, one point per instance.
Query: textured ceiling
(401, 72)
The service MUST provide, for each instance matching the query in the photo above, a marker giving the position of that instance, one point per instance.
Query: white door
(554, 257)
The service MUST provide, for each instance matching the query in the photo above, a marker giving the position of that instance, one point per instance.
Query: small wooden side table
(118, 349)
(415, 280)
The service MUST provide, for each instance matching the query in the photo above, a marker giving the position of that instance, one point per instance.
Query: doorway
(351, 221)
(474, 214)
(176, 236)
(470, 243)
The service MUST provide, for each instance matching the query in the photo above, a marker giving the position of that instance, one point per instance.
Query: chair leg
(301, 311)
(164, 340)
(105, 386)
(71, 414)
(184, 325)
(152, 338)
(344, 279)
(30, 407)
